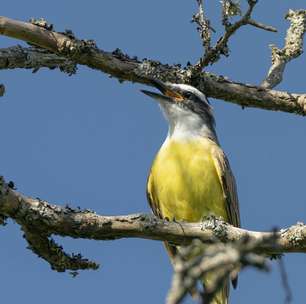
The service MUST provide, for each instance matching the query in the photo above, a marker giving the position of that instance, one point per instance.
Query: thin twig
(203, 26)
(285, 281)
(221, 47)
(262, 26)
(293, 48)
(219, 259)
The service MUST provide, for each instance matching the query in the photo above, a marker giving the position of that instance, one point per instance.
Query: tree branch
(29, 216)
(285, 282)
(34, 58)
(54, 254)
(221, 48)
(203, 27)
(194, 262)
(262, 26)
(123, 67)
(292, 49)
(39, 220)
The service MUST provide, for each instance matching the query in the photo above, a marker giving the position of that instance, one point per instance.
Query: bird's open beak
(168, 94)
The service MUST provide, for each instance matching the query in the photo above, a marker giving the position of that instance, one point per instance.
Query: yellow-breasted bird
(190, 177)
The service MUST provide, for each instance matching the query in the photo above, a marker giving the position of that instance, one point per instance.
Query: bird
(191, 178)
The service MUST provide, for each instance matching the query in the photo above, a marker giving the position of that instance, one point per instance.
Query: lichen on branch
(41, 220)
(124, 67)
(293, 48)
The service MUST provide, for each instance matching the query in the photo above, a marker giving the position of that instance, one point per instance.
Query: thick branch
(34, 58)
(47, 219)
(292, 49)
(80, 51)
(124, 68)
(39, 220)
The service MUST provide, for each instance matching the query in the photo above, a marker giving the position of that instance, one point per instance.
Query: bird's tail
(221, 297)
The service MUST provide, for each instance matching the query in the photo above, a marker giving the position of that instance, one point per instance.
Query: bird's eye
(188, 95)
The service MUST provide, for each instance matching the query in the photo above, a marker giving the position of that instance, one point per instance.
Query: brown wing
(228, 184)
(153, 201)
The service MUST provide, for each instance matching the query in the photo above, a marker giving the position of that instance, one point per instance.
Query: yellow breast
(184, 184)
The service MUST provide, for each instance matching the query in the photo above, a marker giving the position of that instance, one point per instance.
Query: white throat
(183, 133)
(186, 125)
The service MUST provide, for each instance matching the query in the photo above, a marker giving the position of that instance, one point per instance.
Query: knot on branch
(118, 53)
(41, 22)
(218, 226)
(230, 9)
(37, 58)
(165, 72)
(74, 48)
(301, 102)
(296, 234)
(276, 53)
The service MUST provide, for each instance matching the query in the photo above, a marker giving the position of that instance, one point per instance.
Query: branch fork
(229, 9)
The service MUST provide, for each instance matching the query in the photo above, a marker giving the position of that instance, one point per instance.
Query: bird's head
(185, 107)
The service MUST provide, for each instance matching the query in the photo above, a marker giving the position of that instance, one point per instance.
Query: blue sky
(89, 141)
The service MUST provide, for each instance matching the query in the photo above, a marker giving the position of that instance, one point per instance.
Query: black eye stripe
(188, 94)
(191, 96)
(194, 98)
